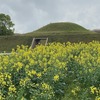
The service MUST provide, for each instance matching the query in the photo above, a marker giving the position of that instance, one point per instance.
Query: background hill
(61, 28)
(56, 32)
(96, 30)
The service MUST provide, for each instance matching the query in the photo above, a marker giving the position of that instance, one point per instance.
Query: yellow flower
(12, 89)
(56, 78)
(94, 90)
(31, 62)
(73, 92)
(3, 83)
(45, 86)
(33, 72)
(19, 64)
(24, 81)
(39, 75)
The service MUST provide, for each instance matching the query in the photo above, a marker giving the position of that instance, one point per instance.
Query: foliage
(68, 71)
(6, 25)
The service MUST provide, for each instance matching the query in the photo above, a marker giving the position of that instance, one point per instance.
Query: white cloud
(29, 15)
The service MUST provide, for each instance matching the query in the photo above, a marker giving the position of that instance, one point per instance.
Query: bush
(55, 72)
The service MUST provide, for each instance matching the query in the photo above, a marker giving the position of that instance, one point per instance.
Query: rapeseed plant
(49, 72)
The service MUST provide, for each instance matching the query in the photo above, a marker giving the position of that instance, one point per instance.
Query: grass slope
(56, 32)
(59, 29)
(63, 27)
(9, 42)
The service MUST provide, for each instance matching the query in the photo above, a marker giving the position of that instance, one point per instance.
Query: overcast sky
(29, 15)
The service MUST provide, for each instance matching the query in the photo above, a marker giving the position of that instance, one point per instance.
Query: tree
(6, 25)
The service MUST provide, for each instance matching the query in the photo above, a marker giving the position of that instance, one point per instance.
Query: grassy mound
(62, 27)
(56, 32)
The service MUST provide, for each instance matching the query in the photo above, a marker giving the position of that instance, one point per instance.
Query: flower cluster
(53, 72)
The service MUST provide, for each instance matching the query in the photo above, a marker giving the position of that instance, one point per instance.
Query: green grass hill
(56, 32)
(62, 27)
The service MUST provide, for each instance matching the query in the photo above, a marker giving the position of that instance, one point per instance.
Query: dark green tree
(6, 25)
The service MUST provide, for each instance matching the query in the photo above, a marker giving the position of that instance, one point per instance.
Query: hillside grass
(62, 27)
(9, 42)
(56, 32)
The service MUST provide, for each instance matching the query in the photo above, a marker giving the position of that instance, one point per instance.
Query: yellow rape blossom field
(68, 71)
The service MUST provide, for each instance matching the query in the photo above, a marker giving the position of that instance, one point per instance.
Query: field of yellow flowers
(68, 71)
